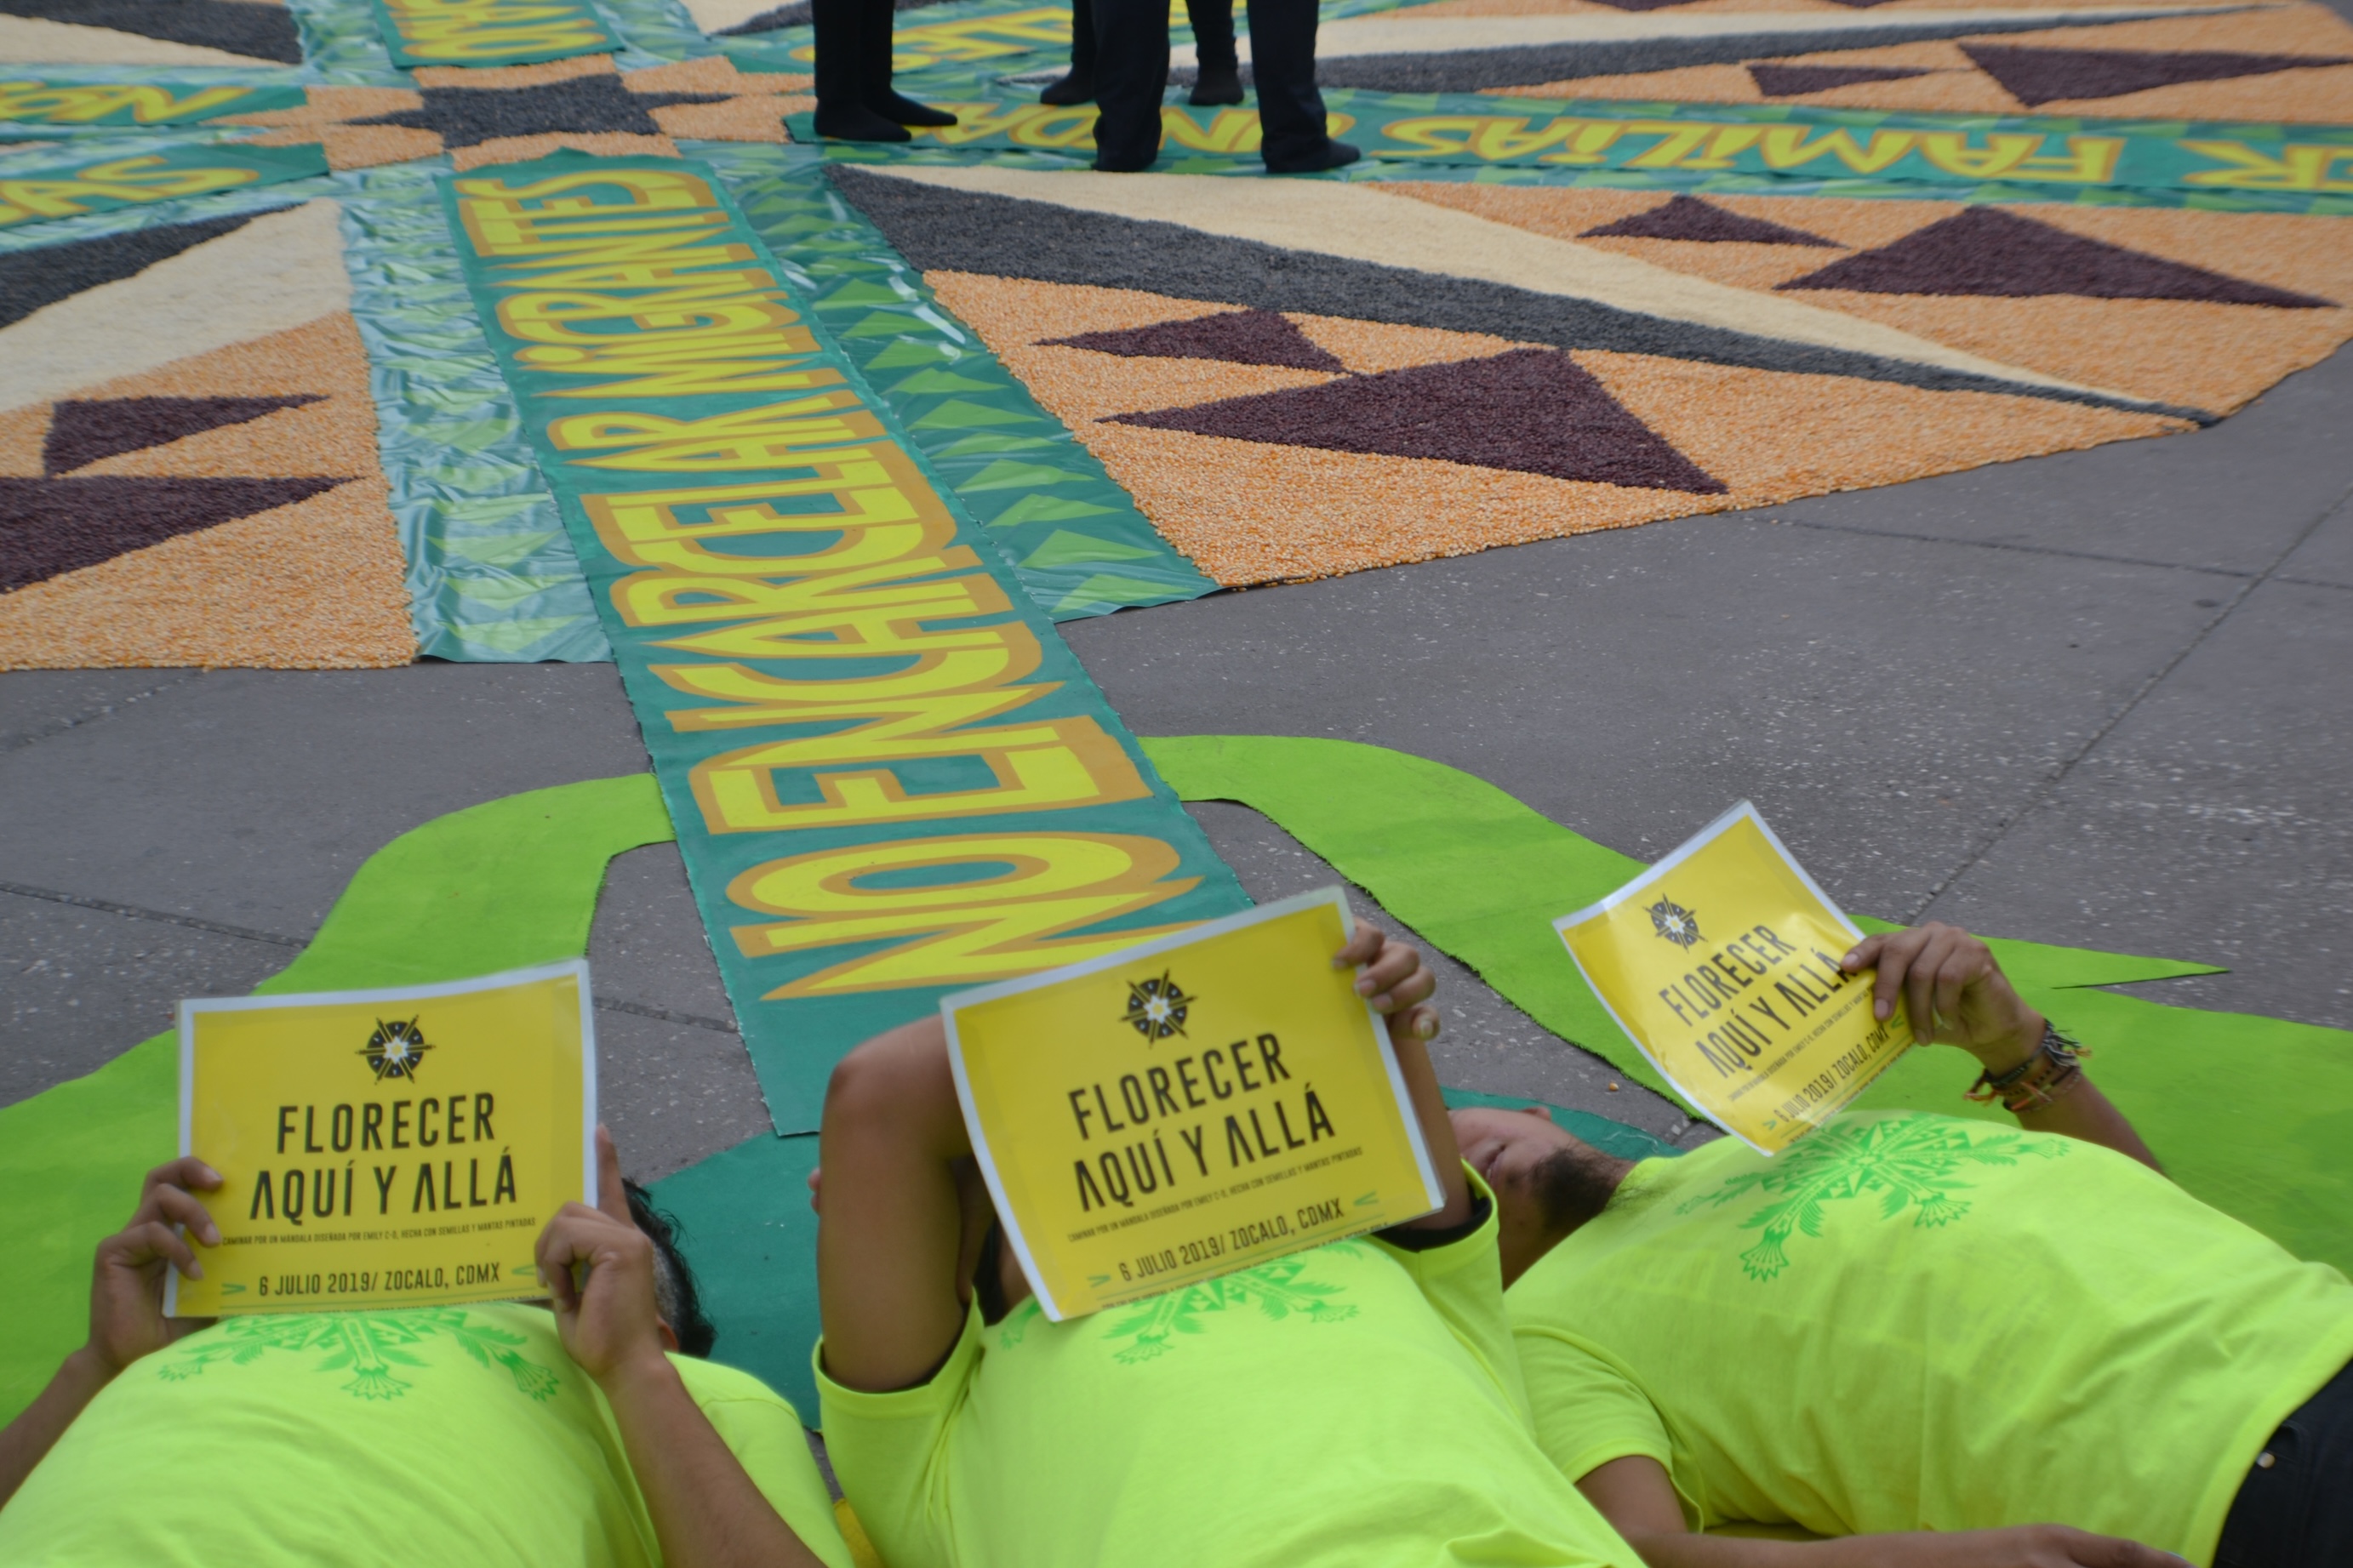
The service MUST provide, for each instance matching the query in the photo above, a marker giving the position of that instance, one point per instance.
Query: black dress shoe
(1334, 155)
(856, 122)
(897, 108)
(1217, 84)
(1078, 87)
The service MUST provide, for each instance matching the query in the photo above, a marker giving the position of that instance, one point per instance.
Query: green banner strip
(490, 32)
(491, 576)
(890, 778)
(77, 104)
(1772, 141)
(169, 174)
(1075, 538)
(1697, 182)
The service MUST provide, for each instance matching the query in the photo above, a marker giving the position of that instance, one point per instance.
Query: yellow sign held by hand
(1721, 963)
(1187, 1106)
(396, 1148)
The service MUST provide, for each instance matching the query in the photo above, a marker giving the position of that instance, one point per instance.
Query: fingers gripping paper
(1187, 1107)
(399, 1147)
(1722, 964)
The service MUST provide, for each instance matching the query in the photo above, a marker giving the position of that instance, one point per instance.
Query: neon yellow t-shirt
(424, 1436)
(1354, 1404)
(1920, 1322)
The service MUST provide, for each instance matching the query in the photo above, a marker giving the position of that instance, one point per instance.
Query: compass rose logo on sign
(396, 1049)
(1156, 1008)
(1673, 922)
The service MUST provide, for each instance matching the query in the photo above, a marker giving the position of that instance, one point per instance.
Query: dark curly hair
(674, 1288)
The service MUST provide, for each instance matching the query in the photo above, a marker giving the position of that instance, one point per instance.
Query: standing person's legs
(841, 111)
(1289, 110)
(1077, 85)
(1130, 75)
(1219, 80)
(875, 23)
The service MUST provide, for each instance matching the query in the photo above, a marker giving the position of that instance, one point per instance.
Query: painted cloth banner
(490, 32)
(88, 186)
(1076, 538)
(117, 105)
(2305, 163)
(492, 576)
(891, 779)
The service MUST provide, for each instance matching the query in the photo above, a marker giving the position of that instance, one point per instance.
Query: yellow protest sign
(1187, 1107)
(386, 1148)
(1722, 964)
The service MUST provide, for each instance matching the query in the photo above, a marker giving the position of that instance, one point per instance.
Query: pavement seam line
(2023, 549)
(63, 726)
(2043, 793)
(275, 939)
(132, 911)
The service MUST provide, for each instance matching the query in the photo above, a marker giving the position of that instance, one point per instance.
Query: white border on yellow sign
(1642, 884)
(578, 968)
(1433, 1188)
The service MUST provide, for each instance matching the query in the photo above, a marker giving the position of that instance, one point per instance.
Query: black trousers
(1213, 33)
(1131, 39)
(2296, 1511)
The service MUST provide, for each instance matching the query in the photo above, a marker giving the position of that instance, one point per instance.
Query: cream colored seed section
(278, 271)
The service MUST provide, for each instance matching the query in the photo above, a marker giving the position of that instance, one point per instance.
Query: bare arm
(126, 1312)
(1398, 988)
(1635, 1496)
(890, 1222)
(1957, 995)
(706, 1512)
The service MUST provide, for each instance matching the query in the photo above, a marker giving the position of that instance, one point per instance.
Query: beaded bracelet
(2057, 1056)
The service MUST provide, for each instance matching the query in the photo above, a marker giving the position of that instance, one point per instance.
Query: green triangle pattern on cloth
(962, 413)
(1036, 508)
(882, 324)
(1064, 548)
(905, 351)
(931, 381)
(1111, 592)
(1005, 474)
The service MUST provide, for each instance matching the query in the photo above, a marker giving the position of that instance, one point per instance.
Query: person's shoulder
(709, 1381)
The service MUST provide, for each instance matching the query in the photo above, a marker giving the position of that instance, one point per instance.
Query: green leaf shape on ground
(2255, 1115)
(503, 884)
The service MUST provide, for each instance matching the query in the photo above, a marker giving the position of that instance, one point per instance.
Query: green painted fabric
(491, 576)
(1930, 153)
(1353, 1404)
(2268, 1139)
(29, 102)
(96, 179)
(1917, 1322)
(431, 1435)
(498, 885)
(951, 822)
(1073, 537)
(489, 32)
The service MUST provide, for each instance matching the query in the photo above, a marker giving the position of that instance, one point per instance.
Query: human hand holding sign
(1954, 992)
(599, 1270)
(1952, 989)
(126, 1309)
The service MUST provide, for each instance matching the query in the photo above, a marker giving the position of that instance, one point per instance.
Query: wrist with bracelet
(2052, 1067)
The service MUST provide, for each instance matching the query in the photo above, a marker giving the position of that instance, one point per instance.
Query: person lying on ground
(492, 1432)
(1354, 1404)
(1924, 1323)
